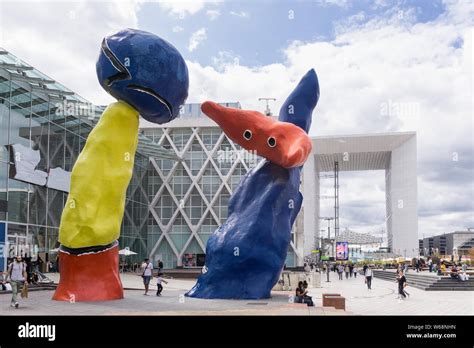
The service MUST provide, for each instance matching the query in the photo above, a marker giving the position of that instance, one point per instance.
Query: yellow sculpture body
(95, 206)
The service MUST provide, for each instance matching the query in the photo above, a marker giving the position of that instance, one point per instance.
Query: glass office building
(30, 213)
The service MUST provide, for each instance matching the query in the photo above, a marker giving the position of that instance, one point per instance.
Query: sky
(383, 66)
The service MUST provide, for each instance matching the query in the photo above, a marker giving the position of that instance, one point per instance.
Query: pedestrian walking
(356, 269)
(18, 278)
(160, 266)
(346, 269)
(147, 274)
(160, 280)
(340, 270)
(430, 265)
(368, 277)
(351, 269)
(402, 283)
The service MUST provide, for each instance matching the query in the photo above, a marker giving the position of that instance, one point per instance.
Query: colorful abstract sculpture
(244, 256)
(149, 77)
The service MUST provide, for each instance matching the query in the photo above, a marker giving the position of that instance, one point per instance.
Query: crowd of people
(440, 266)
(366, 271)
(459, 272)
(349, 270)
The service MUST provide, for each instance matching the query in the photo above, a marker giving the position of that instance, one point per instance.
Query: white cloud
(213, 14)
(196, 39)
(224, 59)
(184, 8)
(380, 4)
(241, 14)
(361, 213)
(339, 3)
(177, 29)
(65, 43)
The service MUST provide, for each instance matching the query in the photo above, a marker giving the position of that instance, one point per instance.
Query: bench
(326, 295)
(334, 300)
(337, 302)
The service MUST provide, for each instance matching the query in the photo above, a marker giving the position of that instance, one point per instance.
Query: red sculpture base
(89, 277)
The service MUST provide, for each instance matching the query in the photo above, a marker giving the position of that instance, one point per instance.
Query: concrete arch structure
(396, 153)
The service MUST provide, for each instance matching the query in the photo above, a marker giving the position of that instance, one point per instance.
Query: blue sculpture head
(145, 71)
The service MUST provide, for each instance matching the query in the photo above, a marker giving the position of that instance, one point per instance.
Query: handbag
(24, 291)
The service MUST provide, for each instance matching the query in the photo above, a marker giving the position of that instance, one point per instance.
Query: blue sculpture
(244, 256)
(145, 71)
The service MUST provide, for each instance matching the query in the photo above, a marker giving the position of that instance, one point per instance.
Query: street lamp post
(327, 272)
(332, 251)
(328, 219)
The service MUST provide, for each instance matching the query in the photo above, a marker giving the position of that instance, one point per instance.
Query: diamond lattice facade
(189, 197)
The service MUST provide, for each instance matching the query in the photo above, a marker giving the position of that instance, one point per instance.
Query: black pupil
(247, 134)
(271, 141)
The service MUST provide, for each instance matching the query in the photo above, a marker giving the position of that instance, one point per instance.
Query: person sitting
(454, 272)
(442, 269)
(34, 277)
(302, 295)
(463, 276)
(299, 293)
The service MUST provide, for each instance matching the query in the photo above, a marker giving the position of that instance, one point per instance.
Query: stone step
(435, 288)
(429, 283)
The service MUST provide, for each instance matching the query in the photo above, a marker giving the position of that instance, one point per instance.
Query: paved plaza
(381, 300)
